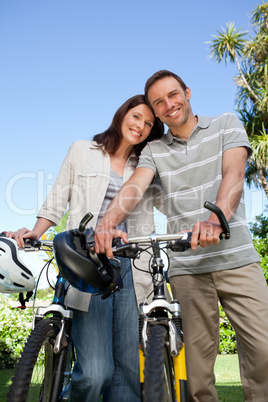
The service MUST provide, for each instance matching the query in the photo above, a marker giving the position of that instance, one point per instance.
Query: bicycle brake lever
(121, 249)
(180, 245)
(118, 242)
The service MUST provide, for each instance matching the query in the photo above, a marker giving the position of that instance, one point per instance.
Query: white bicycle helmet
(15, 277)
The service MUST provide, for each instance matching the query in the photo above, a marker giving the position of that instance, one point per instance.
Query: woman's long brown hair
(111, 138)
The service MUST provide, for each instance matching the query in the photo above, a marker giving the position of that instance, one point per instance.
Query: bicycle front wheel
(38, 367)
(159, 384)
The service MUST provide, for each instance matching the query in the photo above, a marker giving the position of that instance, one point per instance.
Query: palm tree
(259, 16)
(230, 44)
(251, 58)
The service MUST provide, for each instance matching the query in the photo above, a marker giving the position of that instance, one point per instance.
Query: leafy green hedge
(259, 230)
(227, 335)
(15, 327)
(261, 246)
(14, 330)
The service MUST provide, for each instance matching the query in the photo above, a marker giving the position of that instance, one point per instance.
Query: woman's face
(137, 124)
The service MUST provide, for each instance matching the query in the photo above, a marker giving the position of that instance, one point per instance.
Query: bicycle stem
(158, 274)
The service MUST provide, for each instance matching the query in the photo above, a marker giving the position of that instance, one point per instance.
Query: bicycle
(162, 357)
(163, 374)
(44, 369)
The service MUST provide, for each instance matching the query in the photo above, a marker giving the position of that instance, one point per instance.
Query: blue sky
(67, 65)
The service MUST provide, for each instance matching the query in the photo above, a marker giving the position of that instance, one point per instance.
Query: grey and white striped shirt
(191, 173)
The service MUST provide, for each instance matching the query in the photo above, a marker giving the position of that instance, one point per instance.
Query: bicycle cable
(149, 271)
(46, 265)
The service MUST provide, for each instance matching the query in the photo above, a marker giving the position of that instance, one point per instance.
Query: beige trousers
(243, 294)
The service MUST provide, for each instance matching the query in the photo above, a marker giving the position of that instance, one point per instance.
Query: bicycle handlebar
(175, 242)
(33, 245)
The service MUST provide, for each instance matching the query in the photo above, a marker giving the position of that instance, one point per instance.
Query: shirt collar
(168, 138)
(202, 123)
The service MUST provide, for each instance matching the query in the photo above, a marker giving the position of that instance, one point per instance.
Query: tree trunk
(244, 78)
(264, 183)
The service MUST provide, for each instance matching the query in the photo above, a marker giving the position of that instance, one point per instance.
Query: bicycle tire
(37, 368)
(69, 364)
(159, 384)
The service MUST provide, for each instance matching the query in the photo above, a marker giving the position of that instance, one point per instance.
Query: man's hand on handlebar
(206, 233)
(104, 236)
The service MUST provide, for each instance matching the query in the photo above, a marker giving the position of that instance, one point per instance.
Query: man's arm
(233, 170)
(120, 208)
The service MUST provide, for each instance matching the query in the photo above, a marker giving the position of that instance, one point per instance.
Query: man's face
(169, 101)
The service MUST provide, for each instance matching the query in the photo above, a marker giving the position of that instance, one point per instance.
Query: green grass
(5, 381)
(227, 380)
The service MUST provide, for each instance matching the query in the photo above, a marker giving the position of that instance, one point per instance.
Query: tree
(259, 229)
(251, 56)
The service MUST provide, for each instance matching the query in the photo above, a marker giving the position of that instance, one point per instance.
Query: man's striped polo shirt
(191, 173)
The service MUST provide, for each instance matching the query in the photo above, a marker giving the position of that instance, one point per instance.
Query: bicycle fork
(62, 321)
(152, 314)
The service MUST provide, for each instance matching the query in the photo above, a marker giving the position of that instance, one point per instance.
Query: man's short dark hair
(158, 76)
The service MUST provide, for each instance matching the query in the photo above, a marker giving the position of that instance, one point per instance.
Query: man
(203, 159)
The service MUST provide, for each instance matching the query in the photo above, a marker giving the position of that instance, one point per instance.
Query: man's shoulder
(220, 123)
(154, 144)
(166, 139)
(224, 118)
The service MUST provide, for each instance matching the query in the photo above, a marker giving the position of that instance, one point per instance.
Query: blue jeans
(106, 341)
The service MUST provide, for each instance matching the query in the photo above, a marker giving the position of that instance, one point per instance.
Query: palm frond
(228, 43)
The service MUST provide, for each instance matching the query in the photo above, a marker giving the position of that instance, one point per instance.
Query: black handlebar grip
(84, 221)
(220, 215)
(32, 243)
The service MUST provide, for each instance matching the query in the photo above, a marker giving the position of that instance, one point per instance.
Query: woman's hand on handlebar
(22, 234)
(41, 226)
(206, 233)
(104, 236)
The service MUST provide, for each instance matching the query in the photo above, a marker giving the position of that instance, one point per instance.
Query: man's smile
(174, 113)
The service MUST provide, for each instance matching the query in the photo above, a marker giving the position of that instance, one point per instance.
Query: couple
(198, 159)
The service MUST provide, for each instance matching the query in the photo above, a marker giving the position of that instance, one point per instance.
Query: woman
(105, 332)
